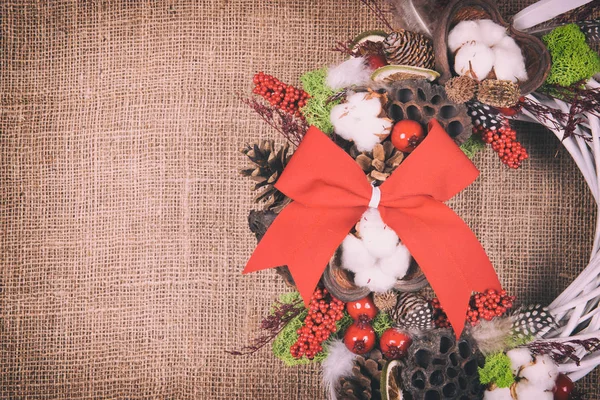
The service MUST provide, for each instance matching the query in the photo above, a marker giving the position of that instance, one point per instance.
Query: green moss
(381, 323)
(514, 341)
(572, 59)
(496, 370)
(317, 109)
(472, 146)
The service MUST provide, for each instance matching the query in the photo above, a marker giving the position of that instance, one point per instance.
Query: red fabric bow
(331, 193)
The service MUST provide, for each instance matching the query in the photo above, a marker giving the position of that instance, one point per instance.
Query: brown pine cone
(497, 93)
(364, 384)
(269, 163)
(409, 48)
(379, 163)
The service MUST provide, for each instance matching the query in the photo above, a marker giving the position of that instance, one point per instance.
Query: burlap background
(123, 219)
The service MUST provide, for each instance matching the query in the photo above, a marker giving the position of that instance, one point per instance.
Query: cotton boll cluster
(536, 377)
(354, 71)
(482, 46)
(377, 258)
(358, 120)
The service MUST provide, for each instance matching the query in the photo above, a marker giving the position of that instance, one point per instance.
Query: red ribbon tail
(448, 253)
(304, 239)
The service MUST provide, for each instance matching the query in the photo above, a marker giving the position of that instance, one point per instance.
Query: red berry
(364, 306)
(563, 387)
(406, 135)
(394, 343)
(359, 338)
(376, 61)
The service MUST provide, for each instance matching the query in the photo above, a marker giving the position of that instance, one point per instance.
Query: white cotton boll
(374, 279)
(463, 32)
(491, 32)
(519, 357)
(354, 71)
(474, 58)
(542, 374)
(508, 43)
(509, 62)
(379, 239)
(357, 120)
(497, 394)
(355, 256)
(397, 264)
(527, 391)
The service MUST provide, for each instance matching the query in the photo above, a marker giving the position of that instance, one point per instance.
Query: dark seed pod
(440, 367)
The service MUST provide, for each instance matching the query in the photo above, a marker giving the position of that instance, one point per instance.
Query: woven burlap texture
(123, 218)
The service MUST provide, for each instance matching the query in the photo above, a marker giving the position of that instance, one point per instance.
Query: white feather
(543, 11)
(491, 335)
(338, 364)
(354, 71)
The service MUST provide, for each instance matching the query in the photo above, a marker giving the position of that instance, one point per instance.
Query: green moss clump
(572, 59)
(496, 370)
(381, 323)
(317, 109)
(472, 146)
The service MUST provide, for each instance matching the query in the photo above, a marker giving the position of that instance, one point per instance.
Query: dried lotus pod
(440, 367)
(364, 383)
(409, 48)
(461, 89)
(498, 93)
(422, 101)
(379, 163)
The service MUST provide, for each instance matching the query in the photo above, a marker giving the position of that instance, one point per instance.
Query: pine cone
(461, 89)
(409, 48)
(364, 384)
(412, 312)
(379, 163)
(498, 93)
(269, 163)
(439, 367)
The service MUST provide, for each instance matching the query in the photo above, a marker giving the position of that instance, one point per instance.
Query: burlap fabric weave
(123, 218)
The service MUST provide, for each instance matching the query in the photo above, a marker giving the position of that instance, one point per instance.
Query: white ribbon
(375, 197)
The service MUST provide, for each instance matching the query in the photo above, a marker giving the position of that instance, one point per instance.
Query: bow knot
(331, 193)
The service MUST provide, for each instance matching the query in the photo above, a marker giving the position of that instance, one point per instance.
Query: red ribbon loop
(331, 193)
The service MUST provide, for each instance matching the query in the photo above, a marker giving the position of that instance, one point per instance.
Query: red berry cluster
(504, 142)
(280, 95)
(324, 311)
(486, 305)
(489, 304)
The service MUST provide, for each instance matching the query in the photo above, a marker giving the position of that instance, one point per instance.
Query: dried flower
(559, 351)
(292, 128)
(272, 324)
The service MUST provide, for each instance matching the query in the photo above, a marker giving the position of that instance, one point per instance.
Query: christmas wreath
(354, 217)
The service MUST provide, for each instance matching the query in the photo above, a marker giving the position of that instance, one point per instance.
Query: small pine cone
(385, 302)
(499, 93)
(378, 164)
(409, 48)
(269, 163)
(364, 383)
(461, 89)
(413, 312)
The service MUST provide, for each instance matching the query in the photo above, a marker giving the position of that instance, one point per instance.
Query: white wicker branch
(577, 308)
